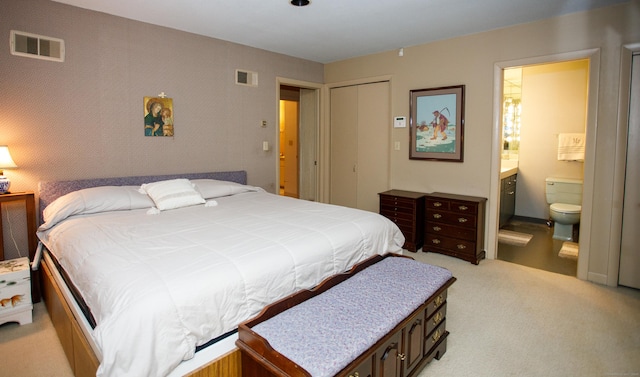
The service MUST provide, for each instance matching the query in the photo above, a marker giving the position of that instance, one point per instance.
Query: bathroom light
(6, 162)
(299, 3)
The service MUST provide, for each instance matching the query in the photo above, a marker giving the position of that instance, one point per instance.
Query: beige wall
(84, 118)
(554, 101)
(471, 61)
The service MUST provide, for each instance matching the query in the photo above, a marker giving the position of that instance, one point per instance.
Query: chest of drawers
(406, 209)
(454, 225)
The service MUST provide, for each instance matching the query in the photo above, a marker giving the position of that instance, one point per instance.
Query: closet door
(343, 149)
(629, 274)
(360, 126)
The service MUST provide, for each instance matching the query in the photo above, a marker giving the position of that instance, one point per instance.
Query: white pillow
(211, 188)
(174, 193)
(94, 200)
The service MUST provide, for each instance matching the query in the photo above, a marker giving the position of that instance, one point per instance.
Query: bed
(155, 273)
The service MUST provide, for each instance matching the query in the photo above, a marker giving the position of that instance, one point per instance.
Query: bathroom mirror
(512, 96)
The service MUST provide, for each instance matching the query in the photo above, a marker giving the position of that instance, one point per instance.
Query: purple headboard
(51, 190)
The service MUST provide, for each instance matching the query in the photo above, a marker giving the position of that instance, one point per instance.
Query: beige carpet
(505, 320)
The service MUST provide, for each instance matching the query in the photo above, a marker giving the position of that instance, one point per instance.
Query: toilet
(565, 199)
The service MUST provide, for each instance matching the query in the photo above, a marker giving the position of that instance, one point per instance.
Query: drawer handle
(463, 208)
(437, 215)
(437, 228)
(436, 241)
(402, 356)
(437, 318)
(436, 335)
(437, 204)
(356, 374)
(438, 301)
(462, 220)
(461, 247)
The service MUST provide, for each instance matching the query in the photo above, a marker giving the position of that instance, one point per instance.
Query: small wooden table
(30, 204)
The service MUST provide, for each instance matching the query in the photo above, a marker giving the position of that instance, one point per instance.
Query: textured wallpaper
(84, 118)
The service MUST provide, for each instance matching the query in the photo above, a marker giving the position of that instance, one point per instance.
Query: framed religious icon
(158, 116)
(437, 124)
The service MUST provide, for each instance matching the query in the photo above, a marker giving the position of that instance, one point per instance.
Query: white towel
(571, 147)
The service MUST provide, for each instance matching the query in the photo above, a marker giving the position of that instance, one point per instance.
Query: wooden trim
(81, 357)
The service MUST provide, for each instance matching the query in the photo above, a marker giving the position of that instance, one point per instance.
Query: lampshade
(6, 162)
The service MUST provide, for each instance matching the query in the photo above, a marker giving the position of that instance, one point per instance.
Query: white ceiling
(330, 30)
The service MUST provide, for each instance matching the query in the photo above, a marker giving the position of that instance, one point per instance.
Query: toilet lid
(566, 208)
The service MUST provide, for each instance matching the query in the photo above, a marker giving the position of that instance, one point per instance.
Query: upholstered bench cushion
(325, 333)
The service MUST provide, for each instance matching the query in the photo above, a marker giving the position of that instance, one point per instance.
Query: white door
(629, 274)
(308, 141)
(359, 149)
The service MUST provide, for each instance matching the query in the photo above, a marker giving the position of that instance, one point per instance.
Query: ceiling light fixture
(299, 3)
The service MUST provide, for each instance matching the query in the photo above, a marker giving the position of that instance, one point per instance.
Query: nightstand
(15, 291)
(30, 205)
(406, 209)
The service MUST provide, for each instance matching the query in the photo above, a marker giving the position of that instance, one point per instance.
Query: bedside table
(15, 291)
(30, 205)
(406, 209)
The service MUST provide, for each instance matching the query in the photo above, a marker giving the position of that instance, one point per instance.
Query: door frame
(620, 163)
(305, 85)
(593, 55)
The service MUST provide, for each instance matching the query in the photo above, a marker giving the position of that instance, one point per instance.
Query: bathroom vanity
(507, 199)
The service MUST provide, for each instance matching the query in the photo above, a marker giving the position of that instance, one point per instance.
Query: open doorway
(541, 184)
(298, 131)
(563, 87)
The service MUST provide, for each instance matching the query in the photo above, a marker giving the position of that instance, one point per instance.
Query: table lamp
(6, 162)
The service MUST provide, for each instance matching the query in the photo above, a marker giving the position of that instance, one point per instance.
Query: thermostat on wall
(399, 122)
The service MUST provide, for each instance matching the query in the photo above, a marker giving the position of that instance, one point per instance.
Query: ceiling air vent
(36, 46)
(246, 78)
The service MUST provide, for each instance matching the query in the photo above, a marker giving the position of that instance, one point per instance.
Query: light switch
(396, 145)
(265, 146)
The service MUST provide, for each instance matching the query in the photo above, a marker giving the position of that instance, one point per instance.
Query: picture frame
(158, 116)
(437, 124)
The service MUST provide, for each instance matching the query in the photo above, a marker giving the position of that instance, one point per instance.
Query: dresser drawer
(396, 215)
(434, 321)
(463, 207)
(432, 338)
(436, 303)
(437, 203)
(398, 204)
(451, 231)
(454, 245)
(458, 219)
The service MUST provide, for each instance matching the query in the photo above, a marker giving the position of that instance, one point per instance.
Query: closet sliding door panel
(344, 134)
(360, 132)
(374, 124)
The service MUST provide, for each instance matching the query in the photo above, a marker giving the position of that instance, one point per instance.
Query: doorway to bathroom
(542, 104)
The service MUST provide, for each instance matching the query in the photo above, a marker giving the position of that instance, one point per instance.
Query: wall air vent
(247, 78)
(36, 46)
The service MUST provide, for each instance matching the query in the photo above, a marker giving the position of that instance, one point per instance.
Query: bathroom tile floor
(541, 252)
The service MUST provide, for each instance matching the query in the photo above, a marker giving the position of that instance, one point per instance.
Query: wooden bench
(385, 317)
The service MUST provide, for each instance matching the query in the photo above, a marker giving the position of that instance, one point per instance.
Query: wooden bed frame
(81, 357)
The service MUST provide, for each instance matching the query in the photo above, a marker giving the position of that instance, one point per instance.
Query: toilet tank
(563, 190)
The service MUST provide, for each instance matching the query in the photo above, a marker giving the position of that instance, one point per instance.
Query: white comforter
(158, 285)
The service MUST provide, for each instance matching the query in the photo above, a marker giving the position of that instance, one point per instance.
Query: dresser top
(404, 194)
(457, 197)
